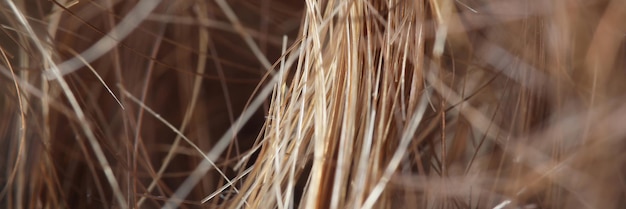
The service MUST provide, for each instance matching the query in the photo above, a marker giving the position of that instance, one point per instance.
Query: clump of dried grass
(370, 104)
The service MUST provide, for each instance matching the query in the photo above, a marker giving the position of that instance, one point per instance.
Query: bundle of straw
(313, 104)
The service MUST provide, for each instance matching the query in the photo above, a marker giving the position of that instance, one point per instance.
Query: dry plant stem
(110, 40)
(398, 155)
(22, 131)
(493, 132)
(221, 189)
(85, 63)
(232, 17)
(144, 93)
(79, 113)
(224, 87)
(371, 104)
(223, 142)
(195, 176)
(180, 134)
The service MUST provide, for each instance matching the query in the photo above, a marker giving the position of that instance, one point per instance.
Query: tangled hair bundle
(313, 104)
